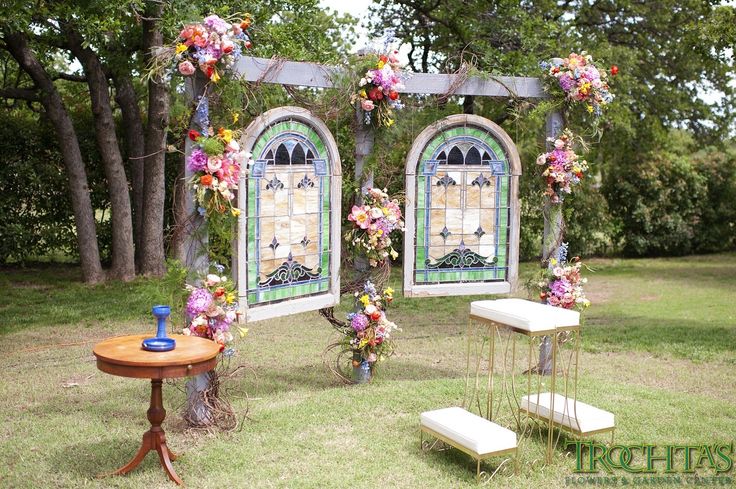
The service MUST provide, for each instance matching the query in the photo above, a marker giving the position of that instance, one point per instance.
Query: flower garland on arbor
(212, 43)
(216, 163)
(578, 81)
(378, 89)
(373, 224)
(563, 168)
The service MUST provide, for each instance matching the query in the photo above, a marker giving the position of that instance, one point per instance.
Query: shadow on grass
(97, 459)
(694, 340)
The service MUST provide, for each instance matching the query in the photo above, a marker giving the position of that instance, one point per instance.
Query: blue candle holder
(161, 342)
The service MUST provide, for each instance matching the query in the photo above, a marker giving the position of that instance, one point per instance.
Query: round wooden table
(124, 356)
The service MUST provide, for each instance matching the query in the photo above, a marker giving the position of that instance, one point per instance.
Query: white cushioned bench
(578, 417)
(468, 432)
(525, 316)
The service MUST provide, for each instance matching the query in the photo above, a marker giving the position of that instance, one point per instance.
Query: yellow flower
(226, 135)
(180, 48)
(235, 211)
(230, 298)
(590, 109)
(243, 331)
(381, 64)
(365, 300)
(389, 291)
(236, 116)
(363, 94)
(215, 77)
(553, 261)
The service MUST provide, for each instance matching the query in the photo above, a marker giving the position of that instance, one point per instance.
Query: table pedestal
(155, 438)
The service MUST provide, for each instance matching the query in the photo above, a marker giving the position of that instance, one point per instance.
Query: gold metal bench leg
(478, 471)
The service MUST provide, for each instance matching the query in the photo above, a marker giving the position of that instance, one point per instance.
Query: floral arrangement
(373, 223)
(561, 284)
(369, 332)
(213, 42)
(563, 168)
(212, 308)
(216, 162)
(378, 89)
(581, 80)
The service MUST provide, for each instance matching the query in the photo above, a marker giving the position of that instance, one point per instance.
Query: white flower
(233, 145)
(212, 279)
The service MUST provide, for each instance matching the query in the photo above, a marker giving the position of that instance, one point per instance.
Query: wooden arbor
(314, 75)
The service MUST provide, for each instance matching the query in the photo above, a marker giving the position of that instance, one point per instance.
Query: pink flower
(360, 217)
(186, 68)
(214, 164)
(367, 105)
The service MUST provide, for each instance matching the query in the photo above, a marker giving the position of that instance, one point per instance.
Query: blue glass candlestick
(161, 342)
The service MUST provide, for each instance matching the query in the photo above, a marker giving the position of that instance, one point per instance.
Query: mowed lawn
(659, 352)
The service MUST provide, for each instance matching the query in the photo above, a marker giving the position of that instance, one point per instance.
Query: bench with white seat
(469, 433)
(526, 317)
(534, 319)
(571, 414)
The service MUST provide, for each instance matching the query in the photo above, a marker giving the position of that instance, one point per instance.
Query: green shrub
(658, 202)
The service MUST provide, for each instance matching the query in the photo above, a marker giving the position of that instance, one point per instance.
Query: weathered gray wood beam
(321, 76)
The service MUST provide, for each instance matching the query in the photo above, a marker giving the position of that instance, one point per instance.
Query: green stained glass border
(257, 295)
(502, 209)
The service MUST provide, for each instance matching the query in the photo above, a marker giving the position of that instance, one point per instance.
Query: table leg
(155, 438)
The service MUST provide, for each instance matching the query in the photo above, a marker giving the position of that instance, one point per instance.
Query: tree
(45, 91)
(113, 43)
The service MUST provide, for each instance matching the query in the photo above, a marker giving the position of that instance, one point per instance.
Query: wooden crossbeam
(320, 76)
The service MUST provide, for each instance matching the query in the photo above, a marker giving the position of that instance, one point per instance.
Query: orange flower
(206, 180)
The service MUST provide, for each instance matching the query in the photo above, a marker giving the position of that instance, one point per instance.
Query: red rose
(383, 58)
(614, 70)
(248, 44)
(376, 316)
(210, 71)
(375, 94)
(193, 135)
(393, 95)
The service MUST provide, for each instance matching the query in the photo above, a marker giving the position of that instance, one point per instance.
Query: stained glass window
(289, 216)
(463, 208)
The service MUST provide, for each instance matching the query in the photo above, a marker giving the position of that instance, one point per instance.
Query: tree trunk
(123, 262)
(84, 218)
(180, 215)
(135, 148)
(152, 226)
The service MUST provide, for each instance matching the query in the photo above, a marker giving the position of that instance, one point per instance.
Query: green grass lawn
(659, 352)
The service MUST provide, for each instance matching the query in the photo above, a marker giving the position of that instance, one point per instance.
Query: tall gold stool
(557, 330)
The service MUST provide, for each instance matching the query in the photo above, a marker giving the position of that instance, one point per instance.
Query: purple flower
(359, 322)
(216, 24)
(566, 82)
(199, 301)
(197, 160)
(560, 287)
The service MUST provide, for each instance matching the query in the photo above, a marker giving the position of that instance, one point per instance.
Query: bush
(658, 202)
(716, 228)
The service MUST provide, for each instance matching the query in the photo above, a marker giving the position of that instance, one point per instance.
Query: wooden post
(195, 231)
(195, 240)
(552, 238)
(364, 139)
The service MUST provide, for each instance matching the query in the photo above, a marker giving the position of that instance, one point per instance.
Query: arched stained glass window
(462, 212)
(289, 228)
